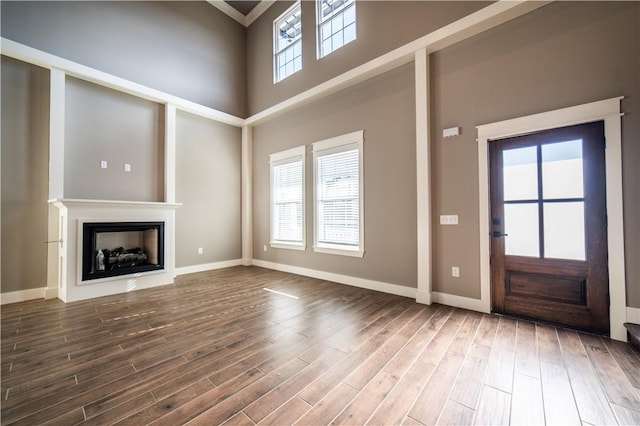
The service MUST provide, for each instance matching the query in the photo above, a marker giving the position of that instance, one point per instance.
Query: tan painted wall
(102, 124)
(381, 27)
(186, 48)
(25, 141)
(208, 185)
(385, 108)
(564, 54)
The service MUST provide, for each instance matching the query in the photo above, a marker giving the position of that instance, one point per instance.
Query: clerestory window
(287, 43)
(336, 24)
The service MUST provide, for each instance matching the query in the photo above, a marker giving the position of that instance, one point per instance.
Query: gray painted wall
(185, 48)
(385, 108)
(208, 159)
(25, 158)
(381, 27)
(564, 54)
(102, 124)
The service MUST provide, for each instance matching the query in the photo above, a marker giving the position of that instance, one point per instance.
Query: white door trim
(606, 110)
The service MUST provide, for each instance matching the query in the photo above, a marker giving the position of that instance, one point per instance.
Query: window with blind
(287, 43)
(287, 199)
(338, 218)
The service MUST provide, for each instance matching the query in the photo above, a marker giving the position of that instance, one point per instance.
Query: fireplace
(121, 248)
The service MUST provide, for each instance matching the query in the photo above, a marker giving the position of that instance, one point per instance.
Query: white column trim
(57, 100)
(247, 195)
(607, 110)
(56, 133)
(423, 177)
(169, 153)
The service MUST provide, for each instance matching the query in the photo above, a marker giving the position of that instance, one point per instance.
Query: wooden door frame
(606, 110)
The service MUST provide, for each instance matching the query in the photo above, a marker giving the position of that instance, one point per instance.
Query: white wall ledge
(113, 203)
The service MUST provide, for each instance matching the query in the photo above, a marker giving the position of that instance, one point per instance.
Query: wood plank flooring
(216, 348)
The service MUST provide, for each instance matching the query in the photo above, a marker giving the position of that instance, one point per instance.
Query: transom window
(336, 24)
(338, 195)
(287, 199)
(287, 43)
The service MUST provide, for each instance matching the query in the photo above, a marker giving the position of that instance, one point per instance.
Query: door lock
(498, 234)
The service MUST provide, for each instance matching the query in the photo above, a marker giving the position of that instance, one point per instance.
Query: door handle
(498, 234)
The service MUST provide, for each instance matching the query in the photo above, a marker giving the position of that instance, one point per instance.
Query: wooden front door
(549, 231)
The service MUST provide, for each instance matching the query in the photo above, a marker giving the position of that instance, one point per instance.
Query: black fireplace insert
(120, 248)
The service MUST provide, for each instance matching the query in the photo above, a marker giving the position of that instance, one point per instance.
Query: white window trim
(339, 143)
(320, 21)
(275, 43)
(292, 154)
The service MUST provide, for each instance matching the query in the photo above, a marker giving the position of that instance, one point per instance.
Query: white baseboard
(23, 295)
(50, 293)
(207, 267)
(398, 290)
(633, 315)
(459, 301)
(424, 297)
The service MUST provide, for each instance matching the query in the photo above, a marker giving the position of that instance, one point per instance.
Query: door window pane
(520, 174)
(562, 170)
(521, 225)
(564, 230)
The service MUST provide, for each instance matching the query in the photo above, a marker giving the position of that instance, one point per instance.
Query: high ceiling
(243, 6)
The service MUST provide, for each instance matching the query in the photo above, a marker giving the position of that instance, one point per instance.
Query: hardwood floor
(217, 348)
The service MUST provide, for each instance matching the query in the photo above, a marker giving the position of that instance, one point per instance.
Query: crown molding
(225, 8)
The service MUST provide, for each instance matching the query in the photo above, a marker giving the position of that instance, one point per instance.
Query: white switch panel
(200, 250)
(450, 132)
(455, 271)
(448, 219)
(103, 164)
(127, 167)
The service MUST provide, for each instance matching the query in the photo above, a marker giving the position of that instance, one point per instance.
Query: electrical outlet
(265, 247)
(455, 271)
(200, 250)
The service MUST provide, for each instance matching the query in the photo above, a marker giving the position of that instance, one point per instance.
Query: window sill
(278, 245)
(356, 252)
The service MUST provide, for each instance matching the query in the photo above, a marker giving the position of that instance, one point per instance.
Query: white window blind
(338, 195)
(287, 199)
(338, 199)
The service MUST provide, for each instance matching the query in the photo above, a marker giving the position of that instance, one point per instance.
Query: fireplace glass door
(121, 248)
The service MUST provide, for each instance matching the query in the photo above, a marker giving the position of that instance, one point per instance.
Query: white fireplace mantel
(74, 202)
(73, 213)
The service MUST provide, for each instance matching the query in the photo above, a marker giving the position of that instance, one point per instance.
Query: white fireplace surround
(73, 213)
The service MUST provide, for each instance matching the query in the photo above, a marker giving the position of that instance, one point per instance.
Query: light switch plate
(127, 167)
(103, 164)
(455, 272)
(448, 219)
